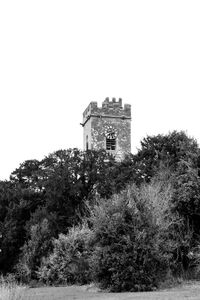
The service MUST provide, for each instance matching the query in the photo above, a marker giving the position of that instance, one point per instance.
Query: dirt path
(190, 291)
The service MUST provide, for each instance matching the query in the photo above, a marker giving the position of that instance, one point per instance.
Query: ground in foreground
(189, 290)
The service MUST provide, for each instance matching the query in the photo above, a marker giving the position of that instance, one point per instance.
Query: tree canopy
(60, 187)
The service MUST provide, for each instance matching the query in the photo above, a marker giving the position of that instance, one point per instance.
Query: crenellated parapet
(110, 109)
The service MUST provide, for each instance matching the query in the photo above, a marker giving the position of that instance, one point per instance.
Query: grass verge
(11, 290)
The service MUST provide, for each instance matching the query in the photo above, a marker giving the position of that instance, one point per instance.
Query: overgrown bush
(33, 251)
(186, 203)
(187, 194)
(69, 261)
(194, 256)
(129, 241)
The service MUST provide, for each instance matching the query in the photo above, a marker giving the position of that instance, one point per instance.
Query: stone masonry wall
(111, 117)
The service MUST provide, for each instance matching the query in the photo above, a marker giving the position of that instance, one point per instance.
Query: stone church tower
(108, 127)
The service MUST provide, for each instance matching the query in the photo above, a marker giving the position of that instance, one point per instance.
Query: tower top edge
(108, 105)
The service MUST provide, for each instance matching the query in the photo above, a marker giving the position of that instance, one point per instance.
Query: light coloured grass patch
(189, 291)
(11, 291)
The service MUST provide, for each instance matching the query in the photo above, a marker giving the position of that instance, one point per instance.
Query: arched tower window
(111, 141)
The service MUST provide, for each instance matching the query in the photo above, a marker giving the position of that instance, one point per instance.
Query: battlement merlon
(109, 108)
(112, 103)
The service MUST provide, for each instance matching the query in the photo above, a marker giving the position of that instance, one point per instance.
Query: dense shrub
(187, 194)
(33, 251)
(129, 249)
(195, 259)
(176, 229)
(186, 204)
(69, 261)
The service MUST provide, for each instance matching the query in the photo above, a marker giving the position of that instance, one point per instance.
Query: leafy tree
(74, 177)
(5, 194)
(186, 197)
(30, 174)
(165, 151)
(56, 188)
(60, 187)
(20, 204)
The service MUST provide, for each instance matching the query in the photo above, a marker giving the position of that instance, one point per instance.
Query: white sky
(57, 56)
